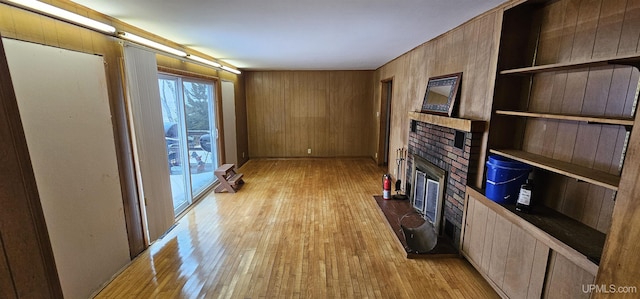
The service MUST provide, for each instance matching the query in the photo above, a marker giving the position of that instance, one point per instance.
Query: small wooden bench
(228, 178)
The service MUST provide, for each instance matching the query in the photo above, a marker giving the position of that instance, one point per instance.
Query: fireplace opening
(427, 194)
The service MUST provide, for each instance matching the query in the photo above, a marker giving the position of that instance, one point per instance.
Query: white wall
(64, 106)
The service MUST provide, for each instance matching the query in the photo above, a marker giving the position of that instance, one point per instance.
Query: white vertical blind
(141, 73)
(229, 118)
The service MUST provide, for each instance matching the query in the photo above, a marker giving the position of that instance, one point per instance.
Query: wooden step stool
(228, 178)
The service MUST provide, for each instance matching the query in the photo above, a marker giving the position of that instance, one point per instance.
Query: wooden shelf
(632, 60)
(582, 173)
(461, 124)
(571, 238)
(591, 119)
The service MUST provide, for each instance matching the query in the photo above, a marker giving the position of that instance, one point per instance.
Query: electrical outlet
(376, 155)
(308, 151)
(242, 154)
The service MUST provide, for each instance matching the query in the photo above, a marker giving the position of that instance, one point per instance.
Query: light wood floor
(298, 228)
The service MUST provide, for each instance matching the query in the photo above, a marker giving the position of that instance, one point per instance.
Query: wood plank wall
(289, 112)
(471, 49)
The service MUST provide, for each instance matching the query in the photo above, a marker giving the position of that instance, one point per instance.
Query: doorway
(188, 113)
(386, 95)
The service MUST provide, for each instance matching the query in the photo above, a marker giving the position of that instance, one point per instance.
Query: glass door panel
(175, 139)
(201, 133)
(188, 109)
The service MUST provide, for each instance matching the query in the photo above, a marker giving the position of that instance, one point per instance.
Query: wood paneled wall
(471, 49)
(290, 112)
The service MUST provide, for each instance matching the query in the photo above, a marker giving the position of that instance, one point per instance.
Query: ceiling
(296, 34)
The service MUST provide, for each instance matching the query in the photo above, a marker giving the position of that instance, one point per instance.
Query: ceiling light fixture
(65, 15)
(93, 24)
(141, 40)
(213, 64)
(228, 69)
(205, 61)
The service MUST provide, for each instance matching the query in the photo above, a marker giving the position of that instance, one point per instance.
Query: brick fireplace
(454, 151)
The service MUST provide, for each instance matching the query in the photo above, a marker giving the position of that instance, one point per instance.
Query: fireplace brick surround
(437, 145)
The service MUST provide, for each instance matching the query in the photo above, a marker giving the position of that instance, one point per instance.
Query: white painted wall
(64, 106)
(229, 121)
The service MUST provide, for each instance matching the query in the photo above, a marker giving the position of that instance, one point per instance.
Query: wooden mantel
(461, 124)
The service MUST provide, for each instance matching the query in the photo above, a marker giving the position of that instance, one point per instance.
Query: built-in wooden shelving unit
(549, 104)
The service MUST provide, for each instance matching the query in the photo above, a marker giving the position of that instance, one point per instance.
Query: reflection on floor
(300, 228)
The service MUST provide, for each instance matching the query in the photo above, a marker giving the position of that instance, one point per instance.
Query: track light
(141, 40)
(89, 23)
(228, 69)
(205, 61)
(65, 15)
(212, 63)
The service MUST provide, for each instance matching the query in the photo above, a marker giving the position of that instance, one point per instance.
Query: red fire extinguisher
(386, 186)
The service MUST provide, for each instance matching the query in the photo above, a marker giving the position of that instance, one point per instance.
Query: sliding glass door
(188, 108)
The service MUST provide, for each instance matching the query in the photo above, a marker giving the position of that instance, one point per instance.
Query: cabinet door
(525, 265)
(510, 257)
(475, 229)
(565, 279)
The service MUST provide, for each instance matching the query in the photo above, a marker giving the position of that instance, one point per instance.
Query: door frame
(384, 122)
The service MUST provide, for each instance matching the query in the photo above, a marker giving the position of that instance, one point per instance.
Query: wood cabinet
(564, 102)
(517, 258)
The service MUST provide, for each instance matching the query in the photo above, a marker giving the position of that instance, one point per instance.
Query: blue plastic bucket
(504, 178)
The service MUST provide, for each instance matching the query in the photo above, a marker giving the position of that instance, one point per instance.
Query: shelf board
(632, 60)
(582, 173)
(591, 119)
(461, 124)
(571, 238)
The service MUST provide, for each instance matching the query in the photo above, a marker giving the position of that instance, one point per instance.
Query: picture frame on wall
(441, 94)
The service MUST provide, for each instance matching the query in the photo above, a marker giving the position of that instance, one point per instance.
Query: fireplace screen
(431, 203)
(418, 199)
(426, 196)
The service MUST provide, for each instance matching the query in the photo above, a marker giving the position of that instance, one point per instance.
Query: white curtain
(145, 114)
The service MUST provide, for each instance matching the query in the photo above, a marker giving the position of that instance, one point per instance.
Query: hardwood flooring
(298, 228)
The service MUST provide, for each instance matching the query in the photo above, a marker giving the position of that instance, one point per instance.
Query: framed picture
(441, 94)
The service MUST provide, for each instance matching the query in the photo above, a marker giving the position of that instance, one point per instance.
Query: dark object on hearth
(401, 157)
(400, 197)
(421, 239)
